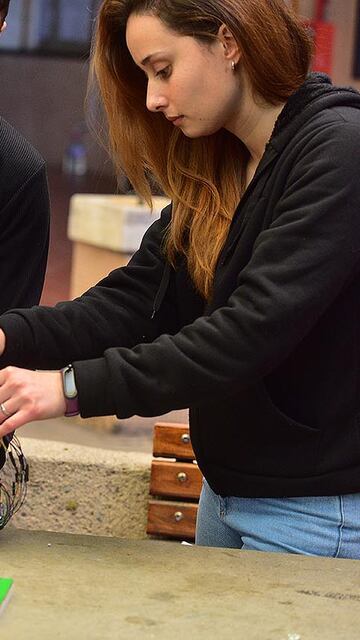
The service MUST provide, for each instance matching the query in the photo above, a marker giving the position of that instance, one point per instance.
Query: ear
(231, 48)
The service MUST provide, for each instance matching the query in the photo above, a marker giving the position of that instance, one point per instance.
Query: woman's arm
(118, 311)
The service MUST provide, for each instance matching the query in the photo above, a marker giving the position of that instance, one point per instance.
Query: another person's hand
(29, 395)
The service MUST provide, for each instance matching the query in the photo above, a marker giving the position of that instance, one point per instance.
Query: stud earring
(233, 65)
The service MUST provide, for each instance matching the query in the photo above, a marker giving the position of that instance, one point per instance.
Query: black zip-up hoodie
(270, 368)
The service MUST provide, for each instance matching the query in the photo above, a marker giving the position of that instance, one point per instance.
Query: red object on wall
(324, 36)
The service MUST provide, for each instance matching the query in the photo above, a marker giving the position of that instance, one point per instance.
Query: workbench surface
(85, 588)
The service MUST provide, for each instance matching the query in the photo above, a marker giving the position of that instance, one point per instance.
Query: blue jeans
(312, 526)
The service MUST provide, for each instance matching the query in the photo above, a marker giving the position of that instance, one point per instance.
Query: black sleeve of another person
(24, 220)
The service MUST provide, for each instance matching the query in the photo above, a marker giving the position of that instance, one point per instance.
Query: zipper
(164, 283)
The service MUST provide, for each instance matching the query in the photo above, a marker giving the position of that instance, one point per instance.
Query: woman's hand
(29, 395)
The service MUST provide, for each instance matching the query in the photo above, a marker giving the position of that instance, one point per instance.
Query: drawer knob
(178, 515)
(182, 477)
(185, 438)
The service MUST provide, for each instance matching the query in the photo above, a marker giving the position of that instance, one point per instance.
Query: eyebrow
(148, 58)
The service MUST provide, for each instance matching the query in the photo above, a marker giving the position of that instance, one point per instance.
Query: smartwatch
(70, 391)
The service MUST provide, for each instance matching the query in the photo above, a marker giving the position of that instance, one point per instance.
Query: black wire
(14, 476)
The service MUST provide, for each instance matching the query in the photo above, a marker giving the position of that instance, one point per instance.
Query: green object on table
(5, 591)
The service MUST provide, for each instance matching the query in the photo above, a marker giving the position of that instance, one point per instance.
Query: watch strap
(72, 407)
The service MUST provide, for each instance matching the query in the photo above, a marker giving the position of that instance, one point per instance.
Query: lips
(174, 119)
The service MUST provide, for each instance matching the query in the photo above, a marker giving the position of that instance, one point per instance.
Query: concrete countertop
(93, 588)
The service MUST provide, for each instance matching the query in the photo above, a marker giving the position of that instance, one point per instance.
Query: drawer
(172, 441)
(174, 519)
(179, 479)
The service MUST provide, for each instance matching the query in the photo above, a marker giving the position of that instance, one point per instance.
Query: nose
(155, 99)
(3, 26)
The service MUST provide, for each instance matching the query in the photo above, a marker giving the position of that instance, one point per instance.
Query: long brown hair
(204, 177)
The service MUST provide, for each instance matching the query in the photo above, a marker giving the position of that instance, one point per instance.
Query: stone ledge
(77, 489)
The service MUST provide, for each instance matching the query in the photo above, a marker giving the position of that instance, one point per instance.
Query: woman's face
(189, 82)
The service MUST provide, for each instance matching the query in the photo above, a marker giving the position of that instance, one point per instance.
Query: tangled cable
(14, 475)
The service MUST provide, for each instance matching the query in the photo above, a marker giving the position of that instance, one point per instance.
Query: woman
(242, 301)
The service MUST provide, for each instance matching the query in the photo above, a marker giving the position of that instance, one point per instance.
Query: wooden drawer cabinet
(172, 441)
(175, 479)
(178, 478)
(173, 519)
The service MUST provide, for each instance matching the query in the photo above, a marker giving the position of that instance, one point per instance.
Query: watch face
(69, 382)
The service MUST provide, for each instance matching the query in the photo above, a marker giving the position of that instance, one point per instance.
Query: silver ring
(4, 411)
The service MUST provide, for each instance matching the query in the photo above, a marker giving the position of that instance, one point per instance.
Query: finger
(5, 375)
(18, 419)
(7, 408)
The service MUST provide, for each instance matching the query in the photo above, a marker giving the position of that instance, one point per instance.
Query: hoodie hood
(315, 94)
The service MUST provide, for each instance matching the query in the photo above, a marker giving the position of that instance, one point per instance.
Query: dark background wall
(43, 97)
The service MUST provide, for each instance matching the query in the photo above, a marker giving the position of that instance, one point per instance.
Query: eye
(163, 73)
